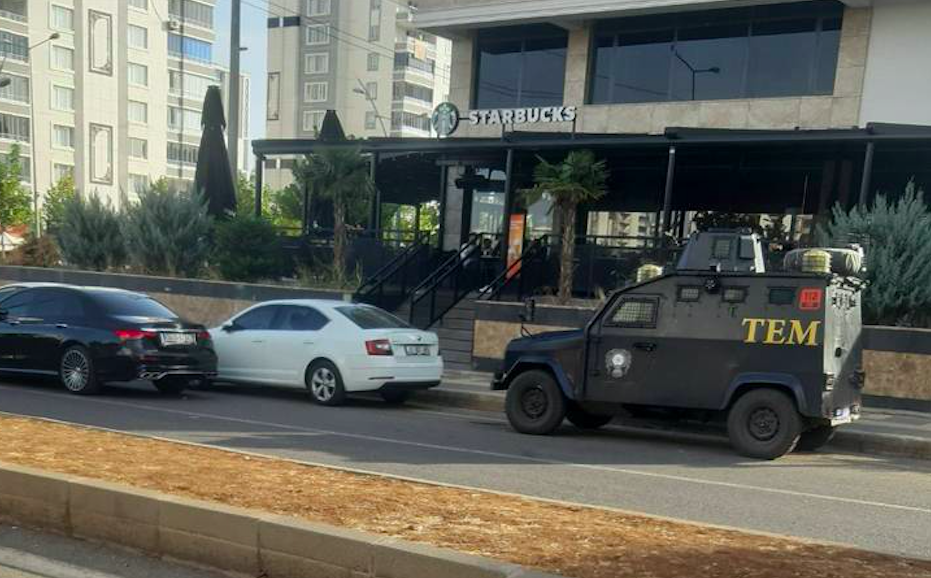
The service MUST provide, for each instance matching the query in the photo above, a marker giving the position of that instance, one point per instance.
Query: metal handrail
(499, 283)
(394, 264)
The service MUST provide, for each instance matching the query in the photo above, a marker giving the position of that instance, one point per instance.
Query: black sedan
(87, 336)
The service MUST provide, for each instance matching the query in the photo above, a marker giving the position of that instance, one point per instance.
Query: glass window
(138, 148)
(192, 12)
(373, 60)
(635, 312)
(415, 91)
(62, 58)
(190, 85)
(317, 63)
(14, 46)
(138, 184)
(184, 119)
(56, 305)
(312, 120)
(523, 66)
(63, 136)
(62, 18)
(257, 319)
(689, 293)
(14, 128)
(709, 61)
(9, 290)
(374, 32)
(138, 112)
(140, 4)
(318, 7)
(776, 50)
(183, 154)
(126, 304)
(63, 98)
(370, 120)
(17, 90)
(371, 90)
(368, 317)
(293, 318)
(60, 171)
(137, 74)
(192, 48)
(137, 37)
(318, 34)
(19, 304)
(315, 91)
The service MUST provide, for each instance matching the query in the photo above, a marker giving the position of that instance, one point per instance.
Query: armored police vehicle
(776, 354)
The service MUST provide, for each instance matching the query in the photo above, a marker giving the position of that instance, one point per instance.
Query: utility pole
(234, 100)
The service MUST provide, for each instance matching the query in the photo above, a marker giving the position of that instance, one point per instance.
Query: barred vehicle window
(635, 312)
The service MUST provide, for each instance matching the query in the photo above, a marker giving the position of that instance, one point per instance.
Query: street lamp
(364, 91)
(32, 132)
(696, 71)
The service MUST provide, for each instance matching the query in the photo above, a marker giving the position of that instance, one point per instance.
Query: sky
(253, 61)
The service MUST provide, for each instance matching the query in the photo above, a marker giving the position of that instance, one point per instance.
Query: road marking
(501, 455)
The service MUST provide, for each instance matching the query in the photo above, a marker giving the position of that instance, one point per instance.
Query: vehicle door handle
(61, 325)
(644, 346)
(258, 341)
(308, 343)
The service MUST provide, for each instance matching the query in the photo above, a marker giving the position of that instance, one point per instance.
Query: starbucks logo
(445, 119)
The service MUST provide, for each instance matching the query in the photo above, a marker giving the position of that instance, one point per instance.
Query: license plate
(169, 339)
(417, 349)
(843, 418)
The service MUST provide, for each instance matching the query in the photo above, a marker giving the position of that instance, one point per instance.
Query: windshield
(367, 317)
(132, 305)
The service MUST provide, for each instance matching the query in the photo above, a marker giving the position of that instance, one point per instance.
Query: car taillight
(378, 347)
(203, 336)
(133, 334)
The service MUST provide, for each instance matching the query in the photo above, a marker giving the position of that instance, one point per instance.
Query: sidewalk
(879, 431)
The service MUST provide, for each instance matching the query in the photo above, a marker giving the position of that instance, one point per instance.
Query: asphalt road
(28, 554)
(881, 504)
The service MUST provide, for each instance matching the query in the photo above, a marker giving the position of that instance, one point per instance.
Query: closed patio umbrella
(214, 177)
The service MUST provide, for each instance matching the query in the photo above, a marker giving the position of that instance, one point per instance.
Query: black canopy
(214, 177)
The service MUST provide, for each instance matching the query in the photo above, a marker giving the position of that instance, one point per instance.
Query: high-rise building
(361, 58)
(108, 91)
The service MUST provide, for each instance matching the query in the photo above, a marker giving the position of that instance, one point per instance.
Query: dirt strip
(580, 542)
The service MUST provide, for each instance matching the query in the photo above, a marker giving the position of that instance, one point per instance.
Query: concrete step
(460, 357)
(454, 334)
(461, 324)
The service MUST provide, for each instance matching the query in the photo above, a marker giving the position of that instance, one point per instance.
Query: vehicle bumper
(397, 375)
(196, 365)
(499, 381)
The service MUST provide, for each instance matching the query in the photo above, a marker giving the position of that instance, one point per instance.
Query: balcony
(14, 10)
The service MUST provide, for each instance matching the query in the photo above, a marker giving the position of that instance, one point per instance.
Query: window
(367, 317)
(140, 4)
(17, 90)
(373, 59)
(126, 304)
(183, 154)
(273, 98)
(61, 171)
(192, 48)
(138, 148)
(318, 7)
(189, 85)
(312, 120)
(782, 295)
(415, 91)
(521, 66)
(14, 127)
(256, 319)
(689, 293)
(14, 46)
(63, 98)
(292, 318)
(316, 91)
(401, 120)
(318, 34)
(63, 136)
(62, 58)
(635, 312)
(137, 37)
(62, 18)
(184, 119)
(370, 120)
(138, 184)
(371, 90)
(137, 74)
(191, 12)
(721, 248)
(763, 51)
(138, 112)
(25, 169)
(374, 33)
(407, 60)
(317, 63)
(734, 294)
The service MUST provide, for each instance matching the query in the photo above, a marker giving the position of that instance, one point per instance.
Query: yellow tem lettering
(800, 336)
(751, 329)
(774, 332)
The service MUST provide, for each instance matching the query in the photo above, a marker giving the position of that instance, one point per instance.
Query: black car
(87, 336)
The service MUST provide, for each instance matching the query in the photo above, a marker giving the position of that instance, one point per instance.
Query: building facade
(110, 92)
(361, 58)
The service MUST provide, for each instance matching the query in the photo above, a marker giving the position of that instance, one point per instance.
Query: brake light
(203, 335)
(133, 334)
(378, 347)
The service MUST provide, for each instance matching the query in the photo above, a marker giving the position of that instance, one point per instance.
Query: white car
(330, 347)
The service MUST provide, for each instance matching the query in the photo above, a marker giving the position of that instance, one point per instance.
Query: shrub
(247, 249)
(897, 235)
(53, 207)
(167, 232)
(37, 252)
(89, 237)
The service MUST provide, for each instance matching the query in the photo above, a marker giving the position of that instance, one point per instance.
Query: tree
(340, 175)
(15, 199)
(89, 236)
(896, 235)
(53, 209)
(577, 179)
(247, 249)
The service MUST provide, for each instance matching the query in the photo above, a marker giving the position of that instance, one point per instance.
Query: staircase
(455, 331)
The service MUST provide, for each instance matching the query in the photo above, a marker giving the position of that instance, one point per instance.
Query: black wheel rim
(533, 402)
(763, 424)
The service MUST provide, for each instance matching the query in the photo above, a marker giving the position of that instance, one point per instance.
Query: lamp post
(364, 91)
(32, 133)
(696, 71)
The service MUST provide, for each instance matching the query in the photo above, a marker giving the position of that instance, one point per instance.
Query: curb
(855, 442)
(226, 538)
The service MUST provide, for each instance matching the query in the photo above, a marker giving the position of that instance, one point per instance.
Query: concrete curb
(846, 441)
(222, 537)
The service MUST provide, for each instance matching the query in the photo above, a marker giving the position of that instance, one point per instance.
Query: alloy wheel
(75, 370)
(323, 384)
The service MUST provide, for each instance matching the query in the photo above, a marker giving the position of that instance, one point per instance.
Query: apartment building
(361, 58)
(108, 91)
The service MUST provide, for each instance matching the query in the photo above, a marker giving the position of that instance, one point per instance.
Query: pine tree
(89, 236)
(897, 239)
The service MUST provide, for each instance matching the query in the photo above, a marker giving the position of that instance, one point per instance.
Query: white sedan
(330, 347)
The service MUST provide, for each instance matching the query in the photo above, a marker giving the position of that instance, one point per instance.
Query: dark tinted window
(298, 318)
(124, 304)
(19, 304)
(371, 317)
(521, 66)
(57, 305)
(257, 319)
(8, 290)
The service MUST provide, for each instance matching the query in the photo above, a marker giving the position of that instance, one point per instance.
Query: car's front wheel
(325, 383)
(76, 371)
(764, 424)
(534, 403)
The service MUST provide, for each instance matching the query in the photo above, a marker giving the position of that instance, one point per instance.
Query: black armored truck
(777, 355)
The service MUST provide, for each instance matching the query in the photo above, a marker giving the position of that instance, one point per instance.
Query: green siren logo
(445, 119)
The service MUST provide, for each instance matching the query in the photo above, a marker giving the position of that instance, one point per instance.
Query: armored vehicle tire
(585, 420)
(814, 438)
(764, 424)
(534, 403)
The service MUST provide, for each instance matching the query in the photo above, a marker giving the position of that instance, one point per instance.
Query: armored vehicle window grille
(635, 313)
(781, 295)
(689, 293)
(721, 248)
(734, 295)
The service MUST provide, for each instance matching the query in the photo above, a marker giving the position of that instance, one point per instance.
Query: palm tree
(341, 175)
(577, 179)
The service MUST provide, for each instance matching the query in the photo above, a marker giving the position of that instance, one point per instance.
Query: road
(28, 554)
(881, 504)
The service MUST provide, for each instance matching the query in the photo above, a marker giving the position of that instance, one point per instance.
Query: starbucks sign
(446, 117)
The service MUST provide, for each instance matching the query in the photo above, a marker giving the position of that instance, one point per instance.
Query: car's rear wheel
(764, 424)
(76, 371)
(171, 385)
(394, 396)
(325, 384)
(816, 437)
(534, 403)
(585, 420)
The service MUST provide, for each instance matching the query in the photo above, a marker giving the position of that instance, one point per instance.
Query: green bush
(37, 252)
(247, 249)
(89, 236)
(53, 207)
(897, 238)
(167, 232)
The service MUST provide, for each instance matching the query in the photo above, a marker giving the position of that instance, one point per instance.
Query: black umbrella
(331, 130)
(214, 177)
